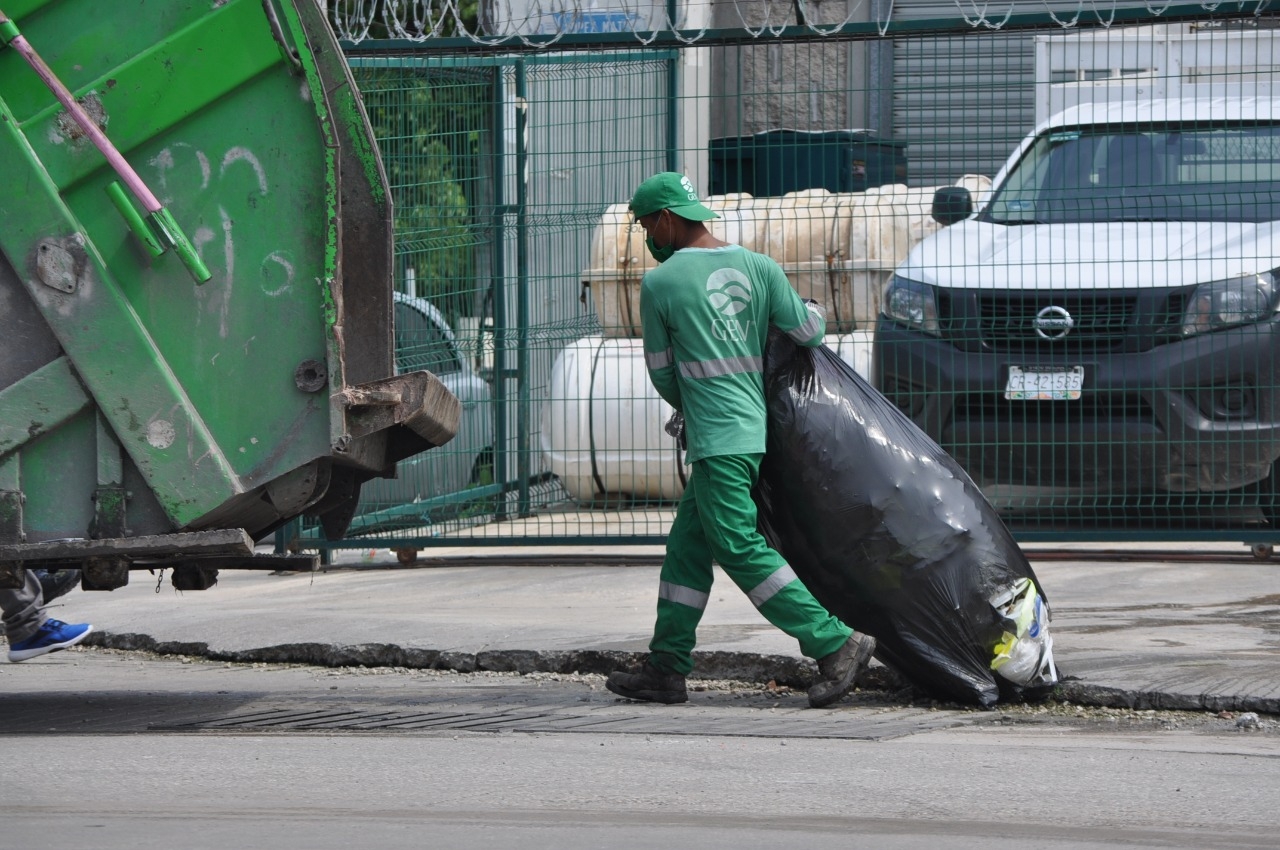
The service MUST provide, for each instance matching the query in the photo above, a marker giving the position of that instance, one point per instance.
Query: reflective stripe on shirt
(805, 332)
(767, 589)
(717, 368)
(659, 359)
(682, 595)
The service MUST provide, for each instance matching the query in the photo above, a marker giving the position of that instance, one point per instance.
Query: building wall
(959, 102)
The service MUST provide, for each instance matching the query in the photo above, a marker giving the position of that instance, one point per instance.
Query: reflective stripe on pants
(716, 521)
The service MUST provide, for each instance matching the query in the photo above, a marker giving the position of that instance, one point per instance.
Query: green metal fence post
(500, 212)
(522, 294)
(673, 98)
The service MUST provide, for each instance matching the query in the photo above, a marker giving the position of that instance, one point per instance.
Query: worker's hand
(675, 427)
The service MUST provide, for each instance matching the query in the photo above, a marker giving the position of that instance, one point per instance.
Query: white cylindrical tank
(602, 424)
(854, 349)
(979, 186)
(838, 249)
(738, 223)
(795, 230)
(855, 243)
(618, 261)
(619, 258)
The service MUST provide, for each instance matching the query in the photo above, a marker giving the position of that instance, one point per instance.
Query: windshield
(1169, 172)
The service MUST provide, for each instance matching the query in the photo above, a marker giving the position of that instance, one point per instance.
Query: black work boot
(839, 671)
(650, 685)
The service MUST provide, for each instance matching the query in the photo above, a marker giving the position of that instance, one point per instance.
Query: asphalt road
(1130, 627)
(126, 750)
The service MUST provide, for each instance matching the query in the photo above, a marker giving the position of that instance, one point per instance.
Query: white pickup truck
(1104, 324)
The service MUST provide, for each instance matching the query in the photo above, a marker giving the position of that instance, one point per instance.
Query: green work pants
(716, 520)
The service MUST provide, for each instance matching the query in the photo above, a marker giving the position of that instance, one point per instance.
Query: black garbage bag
(894, 538)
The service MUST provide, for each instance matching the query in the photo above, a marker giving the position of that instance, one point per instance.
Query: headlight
(913, 304)
(1225, 303)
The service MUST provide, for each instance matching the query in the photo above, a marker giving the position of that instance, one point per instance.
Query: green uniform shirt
(706, 315)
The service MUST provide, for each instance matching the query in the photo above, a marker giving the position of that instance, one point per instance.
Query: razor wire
(543, 23)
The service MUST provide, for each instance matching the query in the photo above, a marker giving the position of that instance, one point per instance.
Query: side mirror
(952, 204)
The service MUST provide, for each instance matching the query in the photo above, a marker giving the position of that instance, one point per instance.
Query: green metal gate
(513, 145)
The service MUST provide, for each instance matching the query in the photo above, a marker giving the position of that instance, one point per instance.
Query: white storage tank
(602, 424)
(979, 186)
(795, 230)
(836, 248)
(873, 231)
(619, 258)
(618, 261)
(739, 221)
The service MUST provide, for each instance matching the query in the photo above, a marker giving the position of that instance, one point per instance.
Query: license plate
(1048, 383)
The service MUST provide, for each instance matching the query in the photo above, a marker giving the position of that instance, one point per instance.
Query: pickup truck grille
(1101, 322)
(1007, 321)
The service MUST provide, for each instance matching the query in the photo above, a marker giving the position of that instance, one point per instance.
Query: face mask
(660, 254)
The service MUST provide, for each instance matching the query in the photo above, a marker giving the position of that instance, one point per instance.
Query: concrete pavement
(1131, 628)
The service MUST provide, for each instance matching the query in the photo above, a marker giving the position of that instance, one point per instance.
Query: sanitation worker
(706, 310)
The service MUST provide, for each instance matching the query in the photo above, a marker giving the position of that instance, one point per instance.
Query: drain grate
(612, 719)
(102, 693)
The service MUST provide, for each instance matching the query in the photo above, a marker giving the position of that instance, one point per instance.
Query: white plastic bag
(1024, 654)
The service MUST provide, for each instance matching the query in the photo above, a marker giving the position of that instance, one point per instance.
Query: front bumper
(1199, 414)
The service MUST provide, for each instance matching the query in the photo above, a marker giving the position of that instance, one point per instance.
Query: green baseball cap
(669, 191)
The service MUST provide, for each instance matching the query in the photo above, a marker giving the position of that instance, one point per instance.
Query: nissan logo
(1053, 323)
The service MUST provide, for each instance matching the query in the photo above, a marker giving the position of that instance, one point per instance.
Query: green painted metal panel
(242, 122)
(40, 402)
(53, 468)
(151, 92)
(114, 354)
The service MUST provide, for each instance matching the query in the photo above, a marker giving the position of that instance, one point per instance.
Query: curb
(738, 666)
(1101, 696)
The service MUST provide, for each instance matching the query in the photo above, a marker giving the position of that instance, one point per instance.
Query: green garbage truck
(196, 300)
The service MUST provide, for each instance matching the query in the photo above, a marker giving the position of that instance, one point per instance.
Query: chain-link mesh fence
(1090, 330)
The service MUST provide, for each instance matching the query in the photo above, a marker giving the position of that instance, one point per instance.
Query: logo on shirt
(729, 291)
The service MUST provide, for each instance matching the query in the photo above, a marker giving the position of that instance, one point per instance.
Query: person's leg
(23, 610)
(683, 589)
(56, 583)
(728, 517)
(30, 632)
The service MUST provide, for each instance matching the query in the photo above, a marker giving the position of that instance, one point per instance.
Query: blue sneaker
(52, 636)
